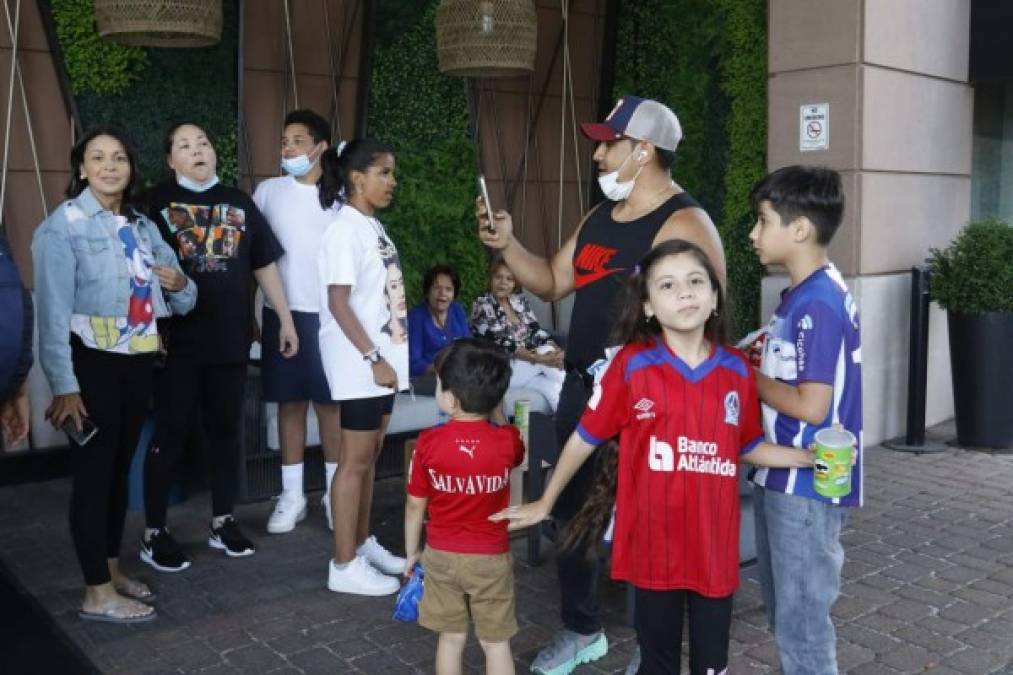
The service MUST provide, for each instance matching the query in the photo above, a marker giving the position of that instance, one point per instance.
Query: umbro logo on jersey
(732, 408)
(643, 408)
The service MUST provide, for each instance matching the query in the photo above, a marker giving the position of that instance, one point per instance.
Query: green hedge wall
(424, 116)
(707, 60)
(144, 91)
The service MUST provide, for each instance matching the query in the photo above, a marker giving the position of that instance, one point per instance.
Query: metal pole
(917, 374)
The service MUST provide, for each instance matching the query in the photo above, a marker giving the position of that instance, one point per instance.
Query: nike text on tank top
(606, 252)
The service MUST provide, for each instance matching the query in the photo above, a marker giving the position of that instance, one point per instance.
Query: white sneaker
(381, 558)
(325, 502)
(290, 509)
(360, 578)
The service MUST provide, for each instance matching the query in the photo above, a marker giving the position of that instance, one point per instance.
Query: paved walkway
(928, 587)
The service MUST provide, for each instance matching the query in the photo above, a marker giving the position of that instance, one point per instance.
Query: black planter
(981, 360)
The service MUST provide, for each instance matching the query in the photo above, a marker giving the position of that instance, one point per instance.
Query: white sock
(291, 478)
(329, 469)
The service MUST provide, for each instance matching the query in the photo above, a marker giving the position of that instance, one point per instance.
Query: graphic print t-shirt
(220, 237)
(355, 251)
(463, 468)
(137, 332)
(681, 433)
(814, 336)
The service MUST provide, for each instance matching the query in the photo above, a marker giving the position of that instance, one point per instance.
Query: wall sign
(814, 127)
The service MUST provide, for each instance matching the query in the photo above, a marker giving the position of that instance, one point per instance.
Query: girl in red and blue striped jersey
(685, 410)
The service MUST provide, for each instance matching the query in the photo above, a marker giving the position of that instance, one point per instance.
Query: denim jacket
(80, 269)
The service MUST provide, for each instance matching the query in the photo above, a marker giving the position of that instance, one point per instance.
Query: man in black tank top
(636, 148)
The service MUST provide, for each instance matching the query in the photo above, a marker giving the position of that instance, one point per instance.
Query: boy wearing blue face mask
(298, 207)
(636, 148)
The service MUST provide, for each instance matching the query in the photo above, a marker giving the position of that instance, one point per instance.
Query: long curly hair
(587, 528)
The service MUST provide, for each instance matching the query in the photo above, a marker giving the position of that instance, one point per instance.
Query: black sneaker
(163, 552)
(228, 537)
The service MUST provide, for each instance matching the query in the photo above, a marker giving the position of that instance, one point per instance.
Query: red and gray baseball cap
(638, 118)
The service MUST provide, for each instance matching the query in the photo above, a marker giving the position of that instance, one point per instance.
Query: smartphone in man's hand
(484, 191)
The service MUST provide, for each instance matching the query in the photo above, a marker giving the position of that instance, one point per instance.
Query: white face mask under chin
(194, 186)
(612, 188)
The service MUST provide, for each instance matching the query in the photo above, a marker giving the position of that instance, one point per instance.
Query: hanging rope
(10, 101)
(573, 126)
(334, 72)
(28, 118)
(291, 55)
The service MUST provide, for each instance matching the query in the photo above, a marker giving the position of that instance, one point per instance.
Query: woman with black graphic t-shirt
(224, 244)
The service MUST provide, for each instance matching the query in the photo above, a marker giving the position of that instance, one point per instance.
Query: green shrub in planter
(974, 274)
(972, 279)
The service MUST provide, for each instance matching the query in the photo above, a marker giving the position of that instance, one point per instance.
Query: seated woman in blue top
(433, 324)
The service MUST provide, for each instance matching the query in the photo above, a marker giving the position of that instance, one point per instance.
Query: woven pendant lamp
(486, 38)
(160, 23)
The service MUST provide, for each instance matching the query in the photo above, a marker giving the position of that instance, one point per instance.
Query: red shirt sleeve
(418, 481)
(606, 410)
(750, 429)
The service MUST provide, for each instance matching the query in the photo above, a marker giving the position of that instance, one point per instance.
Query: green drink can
(522, 415)
(832, 464)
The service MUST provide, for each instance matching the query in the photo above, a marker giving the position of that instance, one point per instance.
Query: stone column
(894, 73)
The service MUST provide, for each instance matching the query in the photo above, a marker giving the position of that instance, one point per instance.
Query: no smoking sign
(814, 127)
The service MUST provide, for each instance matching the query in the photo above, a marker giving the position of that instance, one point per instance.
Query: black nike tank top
(606, 252)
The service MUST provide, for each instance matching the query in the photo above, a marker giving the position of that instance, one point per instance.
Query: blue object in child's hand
(406, 608)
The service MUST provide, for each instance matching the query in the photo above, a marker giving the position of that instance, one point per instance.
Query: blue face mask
(194, 186)
(298, 166)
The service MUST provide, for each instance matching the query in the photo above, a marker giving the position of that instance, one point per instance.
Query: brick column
(894, 73)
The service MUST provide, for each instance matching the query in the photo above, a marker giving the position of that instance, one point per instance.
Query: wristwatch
(373, 356)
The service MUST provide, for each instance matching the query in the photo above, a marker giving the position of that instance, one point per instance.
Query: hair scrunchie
(341, 148)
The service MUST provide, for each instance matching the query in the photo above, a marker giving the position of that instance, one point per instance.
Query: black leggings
(116, 390)
(659, 619)
(188, 391)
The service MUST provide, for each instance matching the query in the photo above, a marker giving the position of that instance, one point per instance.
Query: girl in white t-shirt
(364, 353)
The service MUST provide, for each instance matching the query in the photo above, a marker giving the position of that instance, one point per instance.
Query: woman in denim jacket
(103, 275)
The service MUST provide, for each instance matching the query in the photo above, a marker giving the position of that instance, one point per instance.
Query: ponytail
(586, 530)
(329, 186)
(338, 163)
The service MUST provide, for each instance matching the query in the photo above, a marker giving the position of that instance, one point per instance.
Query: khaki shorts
(459, 585)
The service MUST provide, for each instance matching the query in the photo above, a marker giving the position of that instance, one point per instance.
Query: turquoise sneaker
(567, 651)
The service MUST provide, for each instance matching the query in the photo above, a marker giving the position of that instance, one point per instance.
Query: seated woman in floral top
(504, 316)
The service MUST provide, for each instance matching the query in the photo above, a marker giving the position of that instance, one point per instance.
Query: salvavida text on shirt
(469, 485)
(694, 456)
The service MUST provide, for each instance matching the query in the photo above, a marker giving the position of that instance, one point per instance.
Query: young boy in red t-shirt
(461, 472)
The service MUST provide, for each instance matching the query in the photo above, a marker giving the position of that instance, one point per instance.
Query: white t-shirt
(293, 210)
(356, 251)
